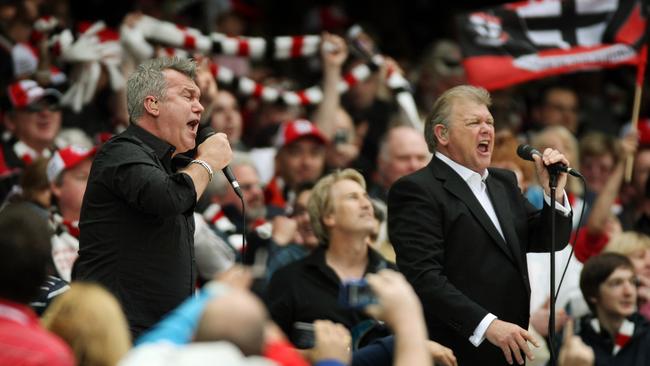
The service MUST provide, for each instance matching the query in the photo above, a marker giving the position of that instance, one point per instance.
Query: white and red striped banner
(95, 44)
(528, 40)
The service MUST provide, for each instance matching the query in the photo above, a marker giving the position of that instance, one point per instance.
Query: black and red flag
(527, 40)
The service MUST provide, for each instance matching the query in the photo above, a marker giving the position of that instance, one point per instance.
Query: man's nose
(365, 202)
(486, 127)
(197, 107)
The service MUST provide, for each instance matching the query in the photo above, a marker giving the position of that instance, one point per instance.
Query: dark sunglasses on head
(40, 107)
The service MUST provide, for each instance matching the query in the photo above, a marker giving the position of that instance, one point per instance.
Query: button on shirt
(137, 227)
(476, 183)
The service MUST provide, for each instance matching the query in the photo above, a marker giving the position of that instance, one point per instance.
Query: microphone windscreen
(526, 152)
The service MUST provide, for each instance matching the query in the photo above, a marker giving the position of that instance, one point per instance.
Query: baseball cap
(293, 130)
(24, 94)
(67, 158)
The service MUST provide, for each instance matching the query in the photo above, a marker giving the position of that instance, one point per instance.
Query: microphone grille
(525, 152)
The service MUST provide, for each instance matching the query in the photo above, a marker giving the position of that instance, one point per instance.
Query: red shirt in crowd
(23, 341)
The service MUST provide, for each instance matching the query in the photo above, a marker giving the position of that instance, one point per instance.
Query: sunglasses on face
(40, 107)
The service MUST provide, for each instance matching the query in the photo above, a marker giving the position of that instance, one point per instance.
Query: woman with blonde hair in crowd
(636, 247)
(91, 321)
(561, 139)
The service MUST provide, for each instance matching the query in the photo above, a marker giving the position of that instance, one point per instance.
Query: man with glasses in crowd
(32, 122)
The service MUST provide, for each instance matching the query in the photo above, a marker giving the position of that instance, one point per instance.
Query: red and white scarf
(624, 335)
(27, 154)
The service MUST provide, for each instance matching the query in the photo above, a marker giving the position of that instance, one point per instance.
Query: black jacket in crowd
(635, 353)
(308, 290)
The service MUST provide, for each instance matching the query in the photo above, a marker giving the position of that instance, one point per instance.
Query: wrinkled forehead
(176, 79)
(245, 172)
(464, 108)
(621, 273)
(561, 96)
(345, 186)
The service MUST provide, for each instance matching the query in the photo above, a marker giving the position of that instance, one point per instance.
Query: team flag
(523, 41)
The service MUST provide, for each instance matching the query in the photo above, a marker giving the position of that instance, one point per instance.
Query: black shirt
(137, 227)
(308, 290)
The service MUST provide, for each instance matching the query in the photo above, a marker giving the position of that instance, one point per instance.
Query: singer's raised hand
(549, 157)
(213, 154)
(215, 151)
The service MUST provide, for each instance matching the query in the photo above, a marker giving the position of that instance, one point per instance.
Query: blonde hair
(90, 320)
(441, 110)
(627, 242)
(549, 137)
(598, 144)
(320, 200)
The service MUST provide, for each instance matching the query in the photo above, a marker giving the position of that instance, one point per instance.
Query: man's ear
(151, 105)
(329, 220)
(55, 189)
(278, 161)
(441, 133)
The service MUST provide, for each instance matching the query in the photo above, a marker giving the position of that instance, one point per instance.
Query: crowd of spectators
(315, 180)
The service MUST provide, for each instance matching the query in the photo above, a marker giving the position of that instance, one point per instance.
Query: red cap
(26, 92)
(297, 129)
(67, 158)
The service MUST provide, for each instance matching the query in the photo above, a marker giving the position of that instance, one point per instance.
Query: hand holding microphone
(527, 152)
(549, 165)
(214, 149)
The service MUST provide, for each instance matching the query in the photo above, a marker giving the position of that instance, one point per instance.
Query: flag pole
(638, 89)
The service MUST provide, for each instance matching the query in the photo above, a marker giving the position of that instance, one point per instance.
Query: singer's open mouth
(484, 146)
(193, 125)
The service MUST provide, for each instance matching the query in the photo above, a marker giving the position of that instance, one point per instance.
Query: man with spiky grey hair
(137, 221)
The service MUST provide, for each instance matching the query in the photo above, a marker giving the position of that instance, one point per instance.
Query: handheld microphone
(526, 152)
(203, 134)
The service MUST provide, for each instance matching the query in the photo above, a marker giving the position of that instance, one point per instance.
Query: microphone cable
(572, 242)
(243, 237)
(526, 152)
